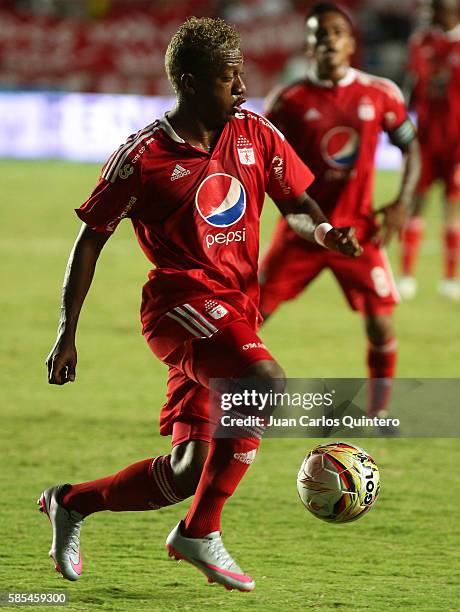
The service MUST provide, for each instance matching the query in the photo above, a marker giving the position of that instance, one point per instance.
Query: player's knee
(187, 460)
(379, 329)
(418, 207)
(264, 368)
(269, 373)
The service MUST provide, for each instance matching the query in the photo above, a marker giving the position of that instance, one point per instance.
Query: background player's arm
(304, 216)
(62, 360)
(394, 213)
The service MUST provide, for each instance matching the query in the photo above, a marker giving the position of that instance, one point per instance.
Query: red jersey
(335, 130)
(434, 62)
(196, 214)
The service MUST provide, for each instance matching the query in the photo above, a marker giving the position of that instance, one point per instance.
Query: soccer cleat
(407, 287)
(450, 288)
(65, 548)
(210, 556)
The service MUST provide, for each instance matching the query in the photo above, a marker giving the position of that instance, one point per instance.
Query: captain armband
(403, 135)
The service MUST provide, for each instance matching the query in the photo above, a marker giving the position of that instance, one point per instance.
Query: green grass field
(403, 556)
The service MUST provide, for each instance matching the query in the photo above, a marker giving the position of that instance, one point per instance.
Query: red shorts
(183, 432)
(203, 339)
(367, 281)
(443, 166)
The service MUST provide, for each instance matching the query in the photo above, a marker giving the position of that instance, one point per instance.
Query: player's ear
(188, 83)
(352, 45)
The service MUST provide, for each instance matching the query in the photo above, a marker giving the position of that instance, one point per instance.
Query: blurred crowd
(118, 45)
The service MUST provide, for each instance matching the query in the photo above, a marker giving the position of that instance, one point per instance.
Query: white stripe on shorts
(393, 288)
(212, 327)
(184, 324)
(192, 319)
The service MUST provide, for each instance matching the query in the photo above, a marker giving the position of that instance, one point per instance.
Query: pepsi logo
(340, 147)
(221, 200)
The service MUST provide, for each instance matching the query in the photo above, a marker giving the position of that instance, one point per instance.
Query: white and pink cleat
(66, 524)
(210, 556)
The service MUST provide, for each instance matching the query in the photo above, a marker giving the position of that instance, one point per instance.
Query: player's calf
(187, 460)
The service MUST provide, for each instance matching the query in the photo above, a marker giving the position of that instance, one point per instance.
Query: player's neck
(333, 75)
(192, 128)
(452, 25)
(449, 24)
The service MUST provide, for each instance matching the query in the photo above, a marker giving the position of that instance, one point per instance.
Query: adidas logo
(179, 172)
(245, 457)
(311, 114)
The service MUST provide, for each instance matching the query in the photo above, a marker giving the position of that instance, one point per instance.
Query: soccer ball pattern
(338, 482)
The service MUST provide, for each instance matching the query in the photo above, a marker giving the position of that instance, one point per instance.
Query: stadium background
(56, 59)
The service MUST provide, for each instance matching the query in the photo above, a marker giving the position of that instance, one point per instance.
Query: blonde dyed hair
(194, 46)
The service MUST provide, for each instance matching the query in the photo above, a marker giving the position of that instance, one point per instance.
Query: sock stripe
(168, 484)
(161, 482)
(160, 478)
(389, 347)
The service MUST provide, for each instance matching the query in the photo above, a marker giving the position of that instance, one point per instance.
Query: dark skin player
(333, 49)
(205, 102)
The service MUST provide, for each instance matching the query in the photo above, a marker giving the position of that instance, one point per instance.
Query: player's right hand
(343, 240)
(61, 362)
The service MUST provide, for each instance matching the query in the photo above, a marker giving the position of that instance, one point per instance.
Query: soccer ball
(338, 482)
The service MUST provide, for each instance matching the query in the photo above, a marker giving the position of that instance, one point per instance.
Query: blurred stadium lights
(88, 127)
(52, 51)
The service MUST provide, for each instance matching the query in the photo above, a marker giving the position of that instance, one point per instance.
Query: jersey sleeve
(396, 121)
(115, 196)
(415, 54)
(287, 175)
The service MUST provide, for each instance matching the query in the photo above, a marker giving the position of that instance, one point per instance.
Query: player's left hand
(343, 240)
(394, 216)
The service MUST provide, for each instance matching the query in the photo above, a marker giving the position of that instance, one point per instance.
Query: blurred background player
(434, 65)
(333, 119)
(193, 185)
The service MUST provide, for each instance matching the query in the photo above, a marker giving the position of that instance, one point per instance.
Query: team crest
(245, 151)
(247, 156)
(366, 110)
(214, 309)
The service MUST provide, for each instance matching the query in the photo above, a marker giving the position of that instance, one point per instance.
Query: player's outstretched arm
(394, 214)
(62, 360)
(306, 219)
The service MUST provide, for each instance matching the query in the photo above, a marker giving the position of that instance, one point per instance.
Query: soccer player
(434, 78)
(333, 119)
(193, 184)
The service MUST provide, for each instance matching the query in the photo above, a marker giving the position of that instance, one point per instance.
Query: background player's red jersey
(196, 214)
(434, 62)
(335, 130)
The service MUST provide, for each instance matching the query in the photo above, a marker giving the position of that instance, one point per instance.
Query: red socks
(146, 485)
(381, 361)
(411, 238)
(451, 249)
(149, 485)
(226, 464)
